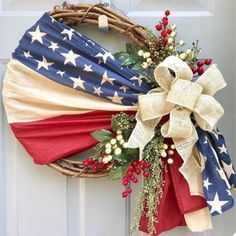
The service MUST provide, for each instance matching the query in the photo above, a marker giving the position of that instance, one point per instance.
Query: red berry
(158, 27)
(165, 40)
(147, 164)
(129, 190)
(132, 177)
(125, 182)
(165, 22)
(137, 171)
(167, 12)
(199, 63)
(125, 178)
(164, 18)
(135, 180)
(193, 69)
(134, 163)
(129, 173)
(131, 168)
(169, 31)
(208, 61)
(200, 70)
(163, 34)
(158, 44)
(101, 165)
(95, 167)
(142, 162)
(146, 174)
(124, 194)
(86, 163)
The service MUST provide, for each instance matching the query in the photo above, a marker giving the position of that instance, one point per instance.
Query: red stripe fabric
(176, 200)
(60, 137)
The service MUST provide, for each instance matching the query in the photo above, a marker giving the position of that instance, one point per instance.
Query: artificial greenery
(149, 197)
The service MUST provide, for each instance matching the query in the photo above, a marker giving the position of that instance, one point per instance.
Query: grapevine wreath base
(148, 110)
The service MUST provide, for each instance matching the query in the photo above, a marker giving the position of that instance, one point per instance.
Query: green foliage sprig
(149, 197)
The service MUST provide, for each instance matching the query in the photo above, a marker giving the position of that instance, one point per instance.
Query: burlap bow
(181, 98)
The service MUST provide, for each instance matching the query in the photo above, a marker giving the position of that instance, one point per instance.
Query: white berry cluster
(114, 146)
(168, 151)
(147, 57)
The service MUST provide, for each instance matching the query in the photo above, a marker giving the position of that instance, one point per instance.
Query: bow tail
(192, 162)
(142, 134)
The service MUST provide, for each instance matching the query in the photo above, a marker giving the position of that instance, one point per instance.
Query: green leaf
(121, 55)
(131, 49)
(119, 171)
(131, 152)
(137, 66)
(114, 123)
(102, 135)
(125, 58)
(120, 158)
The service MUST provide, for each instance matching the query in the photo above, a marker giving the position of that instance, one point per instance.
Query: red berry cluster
(162, 26)
(200, 66)
(135, 168)
(94, 164)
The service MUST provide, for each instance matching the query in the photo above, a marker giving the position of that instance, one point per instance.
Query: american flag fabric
(219, 175)
(60, 86)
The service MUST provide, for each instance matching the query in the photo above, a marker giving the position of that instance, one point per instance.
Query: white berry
(165, 146)
(163, 153)
(170, 40)
(173, 27)
(108, 150)
(170, 161)
(109, 157)
(173, 34)
(119, 131)
(108, 145)
(146, 54)
(189, 51)
(144, 65)
(182, 56)
(113, 141)
(117, 151)
(140, 53)
(122, 141)
(181, 42)
(119, 137)
(172, 146)
(171, 152)
(125, 145)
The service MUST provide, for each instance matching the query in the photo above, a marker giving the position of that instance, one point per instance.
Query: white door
(37, 201)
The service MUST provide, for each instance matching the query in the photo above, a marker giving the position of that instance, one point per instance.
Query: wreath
(148, 110)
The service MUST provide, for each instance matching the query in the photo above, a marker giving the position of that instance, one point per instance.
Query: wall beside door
(35, 200)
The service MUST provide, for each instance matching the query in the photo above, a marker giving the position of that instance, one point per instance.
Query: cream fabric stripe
(198, 221)
(29, 96)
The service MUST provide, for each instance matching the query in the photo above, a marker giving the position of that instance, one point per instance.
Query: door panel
(39, 201)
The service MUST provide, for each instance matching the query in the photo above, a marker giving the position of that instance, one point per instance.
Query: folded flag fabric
(60, 86)
(55, 72)
(218, 175)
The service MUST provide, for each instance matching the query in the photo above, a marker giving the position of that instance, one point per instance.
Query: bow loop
(207, 112)
(179, 124)
(211, 81)
(184, 93)
(171, 69)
